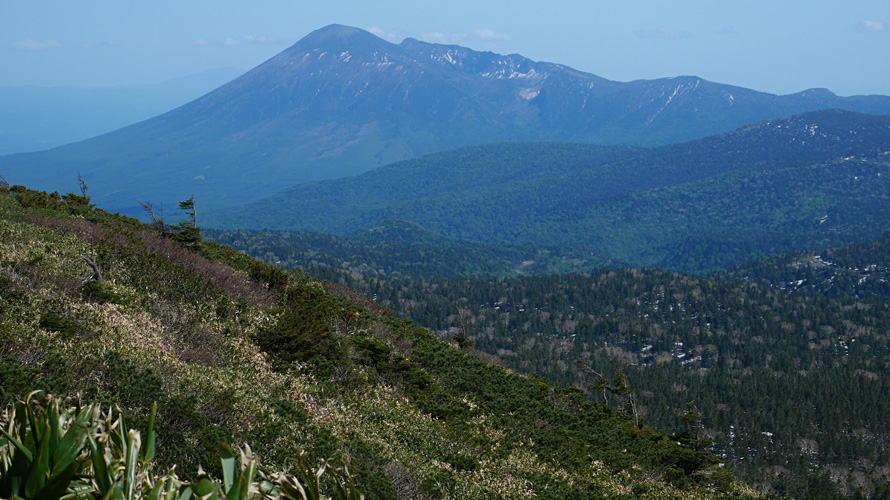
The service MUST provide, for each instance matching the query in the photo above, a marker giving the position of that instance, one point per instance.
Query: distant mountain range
(36, 118)
(805, 182)
(342, 101)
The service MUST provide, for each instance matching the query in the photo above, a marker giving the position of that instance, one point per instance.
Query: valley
(768, 369)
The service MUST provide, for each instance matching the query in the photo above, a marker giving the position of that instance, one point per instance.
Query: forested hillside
(792, 389)
(99, 308)
(861, 271)
(399, 249)
(816, 180)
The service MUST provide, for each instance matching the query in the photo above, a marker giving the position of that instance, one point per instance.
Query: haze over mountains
(342, 101)
(36, 118)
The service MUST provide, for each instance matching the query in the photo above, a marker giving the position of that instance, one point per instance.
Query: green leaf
(149, 453)
(185, 493)
(131, 457)
(115, 493)
(14, 480)
(207, 489)
(243, 488)
(116, 438)
(69, 447)
(229, 466)
(36, 428)
(155, 493)
(40, 465)
(54, 427)
(58, 484)
(29, 457)
(100, 468)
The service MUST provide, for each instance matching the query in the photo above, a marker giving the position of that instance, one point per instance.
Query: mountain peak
(340, 37)
(817, 93)
(342, 101)
(336, 31)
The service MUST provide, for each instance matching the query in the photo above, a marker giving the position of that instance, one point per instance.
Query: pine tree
(189, 232)
(461, 338)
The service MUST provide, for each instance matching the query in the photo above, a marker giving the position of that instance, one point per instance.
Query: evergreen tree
(189, 232)
(461, 338)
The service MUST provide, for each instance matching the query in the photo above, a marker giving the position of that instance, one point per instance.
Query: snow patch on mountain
(679, 90)
(530, 93)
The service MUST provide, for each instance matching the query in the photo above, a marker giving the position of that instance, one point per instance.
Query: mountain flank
(236, 351)
(791, 387)
(802, 182)
(399, 249)
(860, 271)
(342, 101)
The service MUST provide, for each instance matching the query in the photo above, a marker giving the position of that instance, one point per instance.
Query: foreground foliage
(49, 452)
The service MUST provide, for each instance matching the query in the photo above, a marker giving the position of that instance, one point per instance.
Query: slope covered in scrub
(236, 351)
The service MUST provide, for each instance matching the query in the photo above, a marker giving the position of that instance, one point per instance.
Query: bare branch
(90, 261)
(83, 188)
(97, 273)
(157, 222)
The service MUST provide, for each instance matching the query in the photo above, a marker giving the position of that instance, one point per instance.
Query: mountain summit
(342, 101)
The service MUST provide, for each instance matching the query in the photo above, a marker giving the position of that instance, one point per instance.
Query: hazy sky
(778, 46)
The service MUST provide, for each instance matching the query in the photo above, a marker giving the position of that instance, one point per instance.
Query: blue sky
(774, 46)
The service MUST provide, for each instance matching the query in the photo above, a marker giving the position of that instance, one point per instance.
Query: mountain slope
(342, 101)
(860, 271)
(802, 182)
(234, 350)
(398, 249)
(791, 388)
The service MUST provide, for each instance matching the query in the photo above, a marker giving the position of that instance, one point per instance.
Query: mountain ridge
(782, 185)
(342, 101)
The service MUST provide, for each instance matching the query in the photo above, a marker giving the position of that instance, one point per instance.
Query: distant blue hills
(37, 118)
(342, 101)
(808, 181)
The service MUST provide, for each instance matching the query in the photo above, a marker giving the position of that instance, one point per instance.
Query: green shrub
(47, 452)
(51, 321)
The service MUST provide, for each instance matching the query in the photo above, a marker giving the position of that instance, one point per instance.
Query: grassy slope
(235, 350)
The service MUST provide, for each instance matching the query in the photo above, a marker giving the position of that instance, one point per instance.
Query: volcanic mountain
(342, 101)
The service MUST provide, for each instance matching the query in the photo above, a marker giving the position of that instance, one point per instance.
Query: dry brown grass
(234, 283)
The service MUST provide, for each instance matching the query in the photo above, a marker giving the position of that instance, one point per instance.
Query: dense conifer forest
(861, 271)
(792, 388)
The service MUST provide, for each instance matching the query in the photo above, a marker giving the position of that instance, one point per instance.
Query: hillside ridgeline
(804, 182)
(234, 350)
